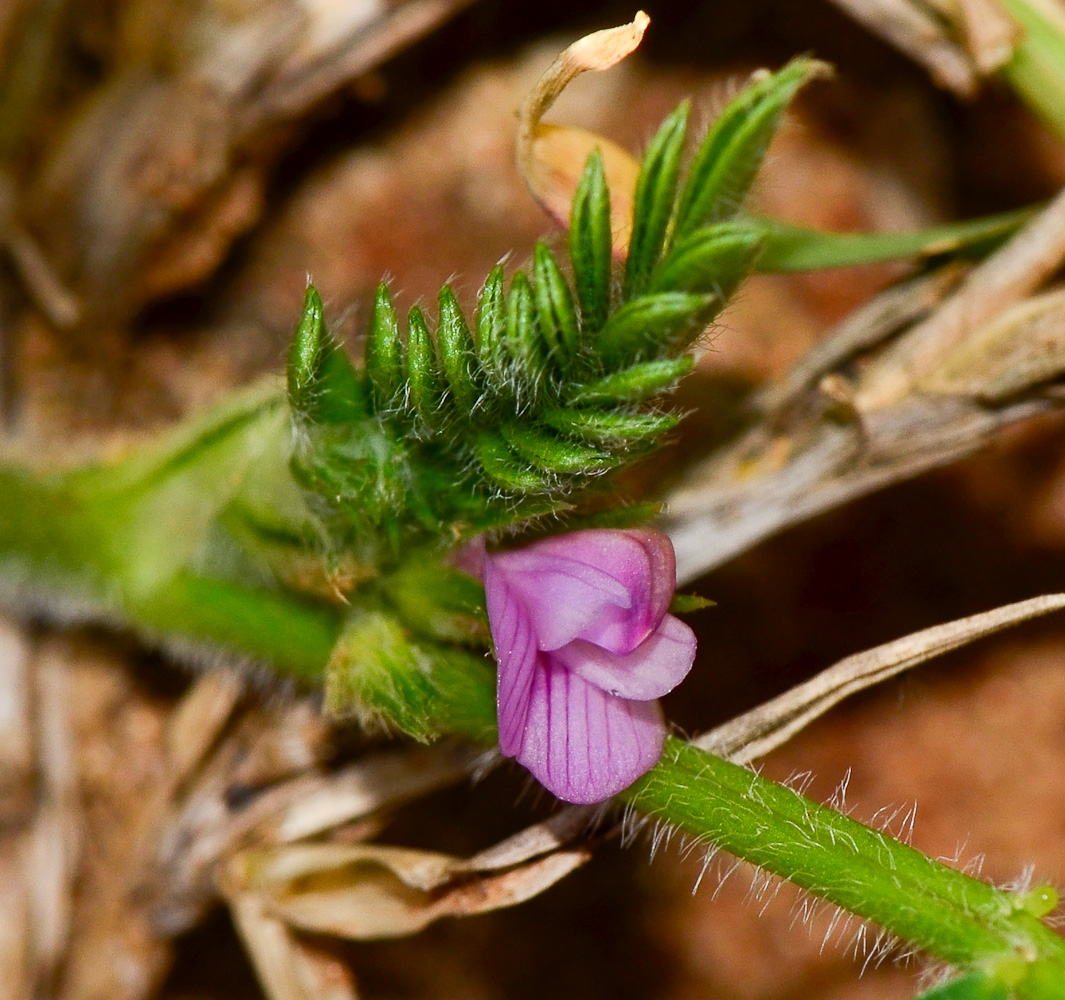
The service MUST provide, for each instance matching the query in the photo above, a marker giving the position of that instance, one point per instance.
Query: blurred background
(172, 171)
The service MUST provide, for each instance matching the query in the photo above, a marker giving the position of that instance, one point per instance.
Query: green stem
(144, 542)
(137, 542)
(957, 918)
(1036, 71)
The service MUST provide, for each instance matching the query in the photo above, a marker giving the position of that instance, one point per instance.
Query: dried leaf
(551, 158)
(199, 718)
(16, 925)
(54, 841)
(17, 763)
(372, 783)
(918, 32)
(1005, 278)
(754, 734)
(289, 968)
(1022, 347)
(369, 891)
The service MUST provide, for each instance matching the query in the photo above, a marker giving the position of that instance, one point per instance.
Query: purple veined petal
(652, 669)
(607, 587)
(516, 655)
(583, 744)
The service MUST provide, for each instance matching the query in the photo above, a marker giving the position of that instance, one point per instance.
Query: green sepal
(383, 677)
(424, 381)
(590, 244)
(654, 201)
(505, 468)
(652, 325)
(438, 602)
(715, 259)
(639, 382)
(323, 386)
(384, 350)
(547, 451)
(683, 604)
(492, 325)
(554, 303)
(455, 344)
(729, 157)
(609, 426)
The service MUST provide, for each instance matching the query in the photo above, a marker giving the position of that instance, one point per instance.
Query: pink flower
(585, 646)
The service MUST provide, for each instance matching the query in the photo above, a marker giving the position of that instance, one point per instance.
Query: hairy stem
(952, 916)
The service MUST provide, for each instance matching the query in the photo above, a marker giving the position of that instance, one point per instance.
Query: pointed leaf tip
(729, 157)
(323, 386)
(384, 350)
(654, 200)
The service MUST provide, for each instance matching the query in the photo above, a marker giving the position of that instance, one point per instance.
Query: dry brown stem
(897, 389)
(178, 139)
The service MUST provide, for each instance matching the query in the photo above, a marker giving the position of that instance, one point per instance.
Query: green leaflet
(457, 356)
(384, 350)
(634, 384)
(323, 386)
(729, 157)
(524, 344)
(713, 259)
(794, 248)
(654, 200)
(609, 426)
(492, 326)
(504, 468)
(424, 380)
(640, 329)
(551, 453)
(554, 304)
(590, 244)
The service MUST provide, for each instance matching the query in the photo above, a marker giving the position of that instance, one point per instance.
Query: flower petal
(584, 744)
(652, 669)
(516, 654)
(608, 587)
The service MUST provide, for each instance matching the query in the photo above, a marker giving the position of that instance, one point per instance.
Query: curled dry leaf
(551, 158)
(366, 891)
(755, 733)
(289, 967)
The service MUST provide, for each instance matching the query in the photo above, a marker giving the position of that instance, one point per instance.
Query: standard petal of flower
(651, 670)
(516, 655)
(584, 744)
(608, 587)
